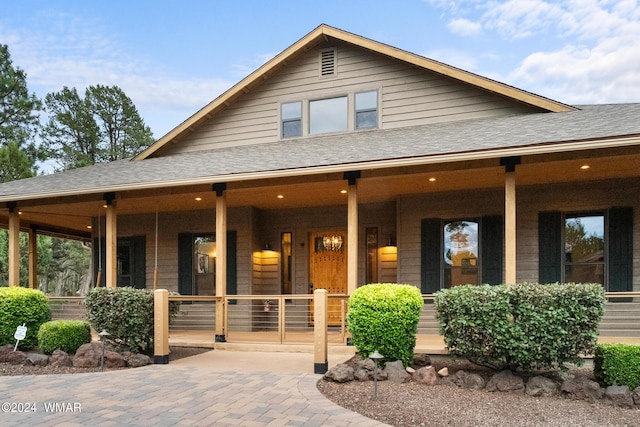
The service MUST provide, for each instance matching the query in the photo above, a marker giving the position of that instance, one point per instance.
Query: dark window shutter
(138, 262)
(232, 271)
(549, 247)
(431, 252)
(185, 264)
(620, 249)
(492, 241)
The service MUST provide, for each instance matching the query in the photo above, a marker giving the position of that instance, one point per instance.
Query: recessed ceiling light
(432, 179)
(343, 191)
(280, 196)
(585, 167)
(89, 227)
(198, 199)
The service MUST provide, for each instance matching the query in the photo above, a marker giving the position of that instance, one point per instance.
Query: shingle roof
(479, 138)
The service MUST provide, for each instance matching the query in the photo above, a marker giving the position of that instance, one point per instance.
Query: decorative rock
(619, 395)
(541, 386)
(421, 359)
(410, 370)
(60, 358)
(505, 381)
(37, 359)
(5, 350)
(581, 388)
(363, 370)
(135, 360)
(16, 358)
(90, 355)
(444, 372)
(341, 373)
(636, 396)
(469, 381)
(396, 372)
(425, 375)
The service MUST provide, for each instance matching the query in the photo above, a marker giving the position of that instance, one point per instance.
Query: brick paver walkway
(170, 395)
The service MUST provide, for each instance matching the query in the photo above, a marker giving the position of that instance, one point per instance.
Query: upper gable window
(291, 115)
(366, 110)
(328, 62)
(328, 115)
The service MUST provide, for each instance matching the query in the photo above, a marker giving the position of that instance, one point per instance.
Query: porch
(284, 322)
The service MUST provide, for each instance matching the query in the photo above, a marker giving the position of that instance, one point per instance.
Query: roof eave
(543, 148)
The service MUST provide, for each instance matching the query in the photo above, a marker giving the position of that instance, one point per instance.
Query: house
(345, 161)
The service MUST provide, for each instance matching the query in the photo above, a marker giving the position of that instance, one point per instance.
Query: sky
(173, 57)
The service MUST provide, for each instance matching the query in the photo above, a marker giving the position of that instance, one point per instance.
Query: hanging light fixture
(332, 243)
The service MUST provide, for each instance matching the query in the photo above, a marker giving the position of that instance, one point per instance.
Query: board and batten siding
(567, 198)
(408, 96)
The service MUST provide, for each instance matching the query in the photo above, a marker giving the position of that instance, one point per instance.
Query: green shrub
(127, 314)
(384, 317)
(617, 364)
(523, 326)
(22, 306)
(66, 335)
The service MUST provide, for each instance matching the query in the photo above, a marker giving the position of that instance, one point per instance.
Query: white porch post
(33, 257)
(510, 219)
(221, 260)
(111, 240)
(14, 245)
(352, 231)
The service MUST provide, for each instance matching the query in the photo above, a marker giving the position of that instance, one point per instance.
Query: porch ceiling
(326, 190)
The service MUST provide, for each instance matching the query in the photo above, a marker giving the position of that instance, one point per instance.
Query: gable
(407, 96)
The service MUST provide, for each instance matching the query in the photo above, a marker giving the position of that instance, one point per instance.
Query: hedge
(617, 364)
(20, 306)
(524, 326)
(384, 317)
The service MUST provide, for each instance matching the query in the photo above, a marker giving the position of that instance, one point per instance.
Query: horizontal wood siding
(408, 95)
(571, 198)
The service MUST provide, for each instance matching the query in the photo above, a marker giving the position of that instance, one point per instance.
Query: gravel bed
(445, 404)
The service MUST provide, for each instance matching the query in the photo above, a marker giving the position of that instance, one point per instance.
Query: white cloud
(464, 27)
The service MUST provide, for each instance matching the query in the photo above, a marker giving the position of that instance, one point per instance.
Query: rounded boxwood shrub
(20, 306)
(65, 335)
(384, 317)
(617, 364)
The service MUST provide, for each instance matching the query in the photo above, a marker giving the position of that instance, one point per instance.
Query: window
(285, 263)
(458, 252)
(328, 115)
(584, 249)
(196, 263)
(461, 253)
(587, 247)
(366, 110)
(130, 261)
(291, 114)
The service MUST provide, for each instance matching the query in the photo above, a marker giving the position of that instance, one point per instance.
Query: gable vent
(328, 62)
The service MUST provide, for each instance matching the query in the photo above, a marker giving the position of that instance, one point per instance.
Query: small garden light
(102, 335)
(375, 357)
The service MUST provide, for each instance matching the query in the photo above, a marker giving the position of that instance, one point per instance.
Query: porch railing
(289, 318)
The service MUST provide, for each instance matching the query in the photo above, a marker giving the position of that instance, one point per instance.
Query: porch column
(111, 240)
(221, 259)
(352, 231)
(510, 218)
(14, 245)
(33, 257)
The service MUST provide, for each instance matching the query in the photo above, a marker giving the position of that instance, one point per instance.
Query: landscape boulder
(505, 381)
(468, 380)
(619, 395)
(60, 358)
(90, 356)
(341, 373)
(425, 375)
(541, 386)
(396, 372)
(37, 359)
(581, 388)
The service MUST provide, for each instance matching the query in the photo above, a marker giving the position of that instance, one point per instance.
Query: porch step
(68, 309)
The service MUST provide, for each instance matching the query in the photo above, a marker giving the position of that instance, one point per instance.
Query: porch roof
(589, 127)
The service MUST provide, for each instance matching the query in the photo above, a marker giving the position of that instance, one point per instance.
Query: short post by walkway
(320, 320)
(161, 326)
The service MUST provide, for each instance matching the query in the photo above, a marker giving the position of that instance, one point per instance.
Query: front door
(328, 268)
